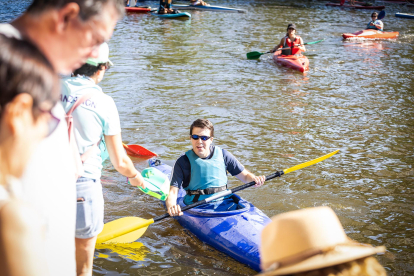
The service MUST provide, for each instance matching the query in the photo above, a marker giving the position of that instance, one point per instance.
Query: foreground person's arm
(120, 160)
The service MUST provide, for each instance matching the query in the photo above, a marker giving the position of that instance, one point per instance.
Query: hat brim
(341, 254)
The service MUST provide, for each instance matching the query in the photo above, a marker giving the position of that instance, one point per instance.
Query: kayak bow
(296, 62)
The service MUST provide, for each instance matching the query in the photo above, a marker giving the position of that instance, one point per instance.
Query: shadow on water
(358, 97)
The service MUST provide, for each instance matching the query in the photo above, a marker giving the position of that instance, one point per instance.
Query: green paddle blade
(254, 55)
(157, 184)
(314, 42)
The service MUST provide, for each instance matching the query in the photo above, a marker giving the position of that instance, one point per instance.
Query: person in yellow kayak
(292, 41)
(375, 23)
(202, 170)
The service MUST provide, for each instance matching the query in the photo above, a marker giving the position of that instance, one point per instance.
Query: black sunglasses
(196, 137)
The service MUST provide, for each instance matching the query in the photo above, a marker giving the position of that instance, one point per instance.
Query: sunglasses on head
(196, 137)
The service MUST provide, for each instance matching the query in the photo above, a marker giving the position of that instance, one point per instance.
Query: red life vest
(288, 43)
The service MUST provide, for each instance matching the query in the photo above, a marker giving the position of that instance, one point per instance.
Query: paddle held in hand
(129, 229)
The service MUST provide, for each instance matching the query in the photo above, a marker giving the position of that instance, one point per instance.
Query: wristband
(134, 176)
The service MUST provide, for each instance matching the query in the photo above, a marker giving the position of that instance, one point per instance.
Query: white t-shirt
(94, 118)
(49, 185)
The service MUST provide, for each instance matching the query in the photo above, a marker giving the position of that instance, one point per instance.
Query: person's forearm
(172, 197)
(126, 167)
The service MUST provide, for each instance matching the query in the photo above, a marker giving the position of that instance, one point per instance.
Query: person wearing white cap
(96, 119)
(312, 242)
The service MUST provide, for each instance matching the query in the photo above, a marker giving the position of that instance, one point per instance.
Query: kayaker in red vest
(375, 24)
(291, 40)
(202, 170)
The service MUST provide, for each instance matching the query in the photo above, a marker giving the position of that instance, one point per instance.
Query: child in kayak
(375, 23)
(202, 170)
(291, 40)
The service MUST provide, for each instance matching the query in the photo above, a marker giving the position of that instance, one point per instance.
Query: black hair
(202, 123)
(90, 70)
(24, 69)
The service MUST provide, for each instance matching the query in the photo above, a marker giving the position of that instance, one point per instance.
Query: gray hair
(87, 8)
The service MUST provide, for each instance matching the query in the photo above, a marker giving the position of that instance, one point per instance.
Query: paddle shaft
(219, 195)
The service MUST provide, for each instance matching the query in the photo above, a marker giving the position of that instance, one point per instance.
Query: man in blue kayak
(375, 23)
(202, 171)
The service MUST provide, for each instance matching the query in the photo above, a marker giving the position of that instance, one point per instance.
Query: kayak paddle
(137, 150)
(256, 55)
(381, 15)
(129, 229)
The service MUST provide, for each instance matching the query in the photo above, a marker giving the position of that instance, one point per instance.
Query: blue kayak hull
(404, 15)
(235, 233)
(172, 15)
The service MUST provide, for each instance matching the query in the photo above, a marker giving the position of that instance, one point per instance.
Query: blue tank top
(206, 173)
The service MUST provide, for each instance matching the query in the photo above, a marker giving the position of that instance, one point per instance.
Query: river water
(357, 97)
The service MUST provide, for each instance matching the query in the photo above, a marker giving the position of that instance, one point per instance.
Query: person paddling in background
(312, 242)
(95, 119)
(292, 41)
(29, 90)
(202, 171)
(198, 3)
(165, 7)
(375, 23)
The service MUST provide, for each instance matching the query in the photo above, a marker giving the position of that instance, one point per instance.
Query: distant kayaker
(292, 41)
(198, 3)
(202, 171)
(312, 241)
(375, 23)
(95, 120)
(165, 7)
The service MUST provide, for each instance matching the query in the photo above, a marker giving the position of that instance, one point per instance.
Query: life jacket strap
(207, 191)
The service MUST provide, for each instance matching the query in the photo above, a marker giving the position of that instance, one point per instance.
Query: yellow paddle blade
(306, 164)
(123, 230)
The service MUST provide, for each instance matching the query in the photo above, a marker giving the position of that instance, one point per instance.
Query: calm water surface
(358, 97)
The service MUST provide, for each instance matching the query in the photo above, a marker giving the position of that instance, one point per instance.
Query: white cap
(103, 56)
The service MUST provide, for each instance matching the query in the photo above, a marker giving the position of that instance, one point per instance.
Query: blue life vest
(373, 27)
(205, 173)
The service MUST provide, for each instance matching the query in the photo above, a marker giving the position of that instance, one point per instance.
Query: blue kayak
(232, 225)
(172, 15)
(404, 15)
(207, 8)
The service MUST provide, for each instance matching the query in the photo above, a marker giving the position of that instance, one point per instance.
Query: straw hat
(308, 239)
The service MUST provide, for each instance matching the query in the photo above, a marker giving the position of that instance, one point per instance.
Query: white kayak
(206, 8)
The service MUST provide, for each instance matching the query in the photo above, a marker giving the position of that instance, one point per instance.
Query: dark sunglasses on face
(374, 16)
(53, 122)
(196, 137)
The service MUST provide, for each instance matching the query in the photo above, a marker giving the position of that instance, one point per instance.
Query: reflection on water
(357, 96)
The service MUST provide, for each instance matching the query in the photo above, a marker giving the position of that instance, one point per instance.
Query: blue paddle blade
(381, 15)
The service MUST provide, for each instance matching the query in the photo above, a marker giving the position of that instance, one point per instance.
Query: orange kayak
(296, 62)
(371, 34)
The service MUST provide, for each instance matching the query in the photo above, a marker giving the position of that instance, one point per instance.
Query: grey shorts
(89, 208)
